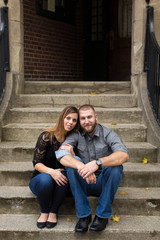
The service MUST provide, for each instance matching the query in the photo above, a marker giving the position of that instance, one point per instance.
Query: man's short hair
(86, 107)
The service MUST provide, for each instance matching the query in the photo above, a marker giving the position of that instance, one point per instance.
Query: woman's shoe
(50, 224)
(41, 224)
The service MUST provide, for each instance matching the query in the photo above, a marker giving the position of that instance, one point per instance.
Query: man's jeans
(105, 187)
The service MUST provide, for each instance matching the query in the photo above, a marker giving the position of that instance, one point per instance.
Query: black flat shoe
(41, 224)
(98, 224)
(82, 224)
(50, 224)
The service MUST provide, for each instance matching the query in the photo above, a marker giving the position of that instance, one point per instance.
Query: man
(97, 172)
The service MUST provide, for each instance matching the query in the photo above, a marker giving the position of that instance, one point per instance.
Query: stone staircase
(137, 201)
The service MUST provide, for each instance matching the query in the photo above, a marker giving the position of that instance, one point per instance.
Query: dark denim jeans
(106, 186)
(50, 196)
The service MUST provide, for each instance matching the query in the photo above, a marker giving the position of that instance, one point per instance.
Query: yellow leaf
(146, 188)
(123, 193)
(113, 123)
(145, 160)
(115, 218)
(94, 93)
(68, 220)
(45, 125)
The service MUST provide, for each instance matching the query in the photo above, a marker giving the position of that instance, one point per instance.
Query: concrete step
(23, 151)
(48, 115)
(61, 100)
(56, 87)
(135, 174)
(30, 132)
(129, 227)
(138, 201)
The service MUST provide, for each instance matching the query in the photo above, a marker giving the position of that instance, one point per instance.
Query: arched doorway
(107, 40)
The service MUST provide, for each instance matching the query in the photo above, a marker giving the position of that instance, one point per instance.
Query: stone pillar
(16, 42)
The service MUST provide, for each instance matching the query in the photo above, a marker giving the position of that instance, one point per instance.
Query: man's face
(88, 120)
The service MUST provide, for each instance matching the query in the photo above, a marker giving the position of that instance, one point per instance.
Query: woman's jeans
(106, 186)
(50, 196)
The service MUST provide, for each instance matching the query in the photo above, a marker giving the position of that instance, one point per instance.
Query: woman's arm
(55, 173)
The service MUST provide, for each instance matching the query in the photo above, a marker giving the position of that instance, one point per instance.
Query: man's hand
(91, 179)
(88, 169)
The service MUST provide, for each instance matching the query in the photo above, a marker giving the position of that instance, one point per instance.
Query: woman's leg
(59, 194)
(42, 186)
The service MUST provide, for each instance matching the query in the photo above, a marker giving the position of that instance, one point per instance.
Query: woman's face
(70, 121)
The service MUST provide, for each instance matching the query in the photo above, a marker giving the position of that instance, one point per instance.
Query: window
(62, 10)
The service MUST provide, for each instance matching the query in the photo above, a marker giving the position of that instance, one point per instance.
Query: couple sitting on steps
(84, 156)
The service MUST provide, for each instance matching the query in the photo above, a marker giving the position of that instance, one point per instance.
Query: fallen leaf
(145, 160)
(115, 218)
(68, 220)
(113, 123)
(94, 93)
(123, 193)
(45, 125)
(146, 188)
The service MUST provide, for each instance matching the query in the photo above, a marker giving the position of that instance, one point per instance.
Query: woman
(49, 182)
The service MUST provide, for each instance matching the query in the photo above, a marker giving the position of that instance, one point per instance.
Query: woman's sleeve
(41, 148)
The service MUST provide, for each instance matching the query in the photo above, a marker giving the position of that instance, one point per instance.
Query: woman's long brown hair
(58, 129)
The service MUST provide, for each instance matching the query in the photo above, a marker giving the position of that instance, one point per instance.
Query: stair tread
(128, 167)
(27, 223)
(48, 125)
(129, 193)
(52, 109)
(29, 145)
(77, 94)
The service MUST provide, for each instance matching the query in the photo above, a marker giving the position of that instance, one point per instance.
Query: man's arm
(115, 159)
(72, 162)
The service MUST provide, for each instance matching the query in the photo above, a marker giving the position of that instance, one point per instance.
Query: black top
(44, 152)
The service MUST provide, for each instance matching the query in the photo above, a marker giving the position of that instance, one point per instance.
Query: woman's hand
(68, 148)
(59, 178)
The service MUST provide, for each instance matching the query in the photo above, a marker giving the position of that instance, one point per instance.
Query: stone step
(135, 174)
(56, 87)
(59, 100)
(135, 201)
(48, 115)
(23, 151)
(14, 226)
(30, 132)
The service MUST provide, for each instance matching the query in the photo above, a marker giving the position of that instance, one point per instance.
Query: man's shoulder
(103, 129)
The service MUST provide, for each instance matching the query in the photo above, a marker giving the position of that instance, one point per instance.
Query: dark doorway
(107, 40)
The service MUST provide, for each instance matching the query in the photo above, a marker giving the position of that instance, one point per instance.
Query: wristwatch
(99, 163)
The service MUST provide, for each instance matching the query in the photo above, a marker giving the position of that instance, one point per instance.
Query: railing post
(4, 48)
(5, 2)
(147, 1)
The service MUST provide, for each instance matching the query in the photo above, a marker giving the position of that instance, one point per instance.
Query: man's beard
(92, 130)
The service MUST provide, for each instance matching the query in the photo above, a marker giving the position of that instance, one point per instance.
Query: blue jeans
(106, 186)
(49, 195)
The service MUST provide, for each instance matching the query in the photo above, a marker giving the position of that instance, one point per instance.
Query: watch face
(99, 162)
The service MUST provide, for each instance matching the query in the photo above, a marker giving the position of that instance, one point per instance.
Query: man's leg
(106, 187)
(110, 179)
(78, 187)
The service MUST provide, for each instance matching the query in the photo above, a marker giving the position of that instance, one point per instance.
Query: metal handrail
(4, 48)
(152, 64)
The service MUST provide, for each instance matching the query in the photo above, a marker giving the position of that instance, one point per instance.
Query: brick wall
(52, 49)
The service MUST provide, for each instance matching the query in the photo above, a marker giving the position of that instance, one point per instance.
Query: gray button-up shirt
(101, 144)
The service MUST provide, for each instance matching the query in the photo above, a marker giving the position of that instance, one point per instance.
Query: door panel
(107, 40)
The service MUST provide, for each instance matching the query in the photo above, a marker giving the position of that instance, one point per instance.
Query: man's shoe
(82, 224)
(98, 224)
